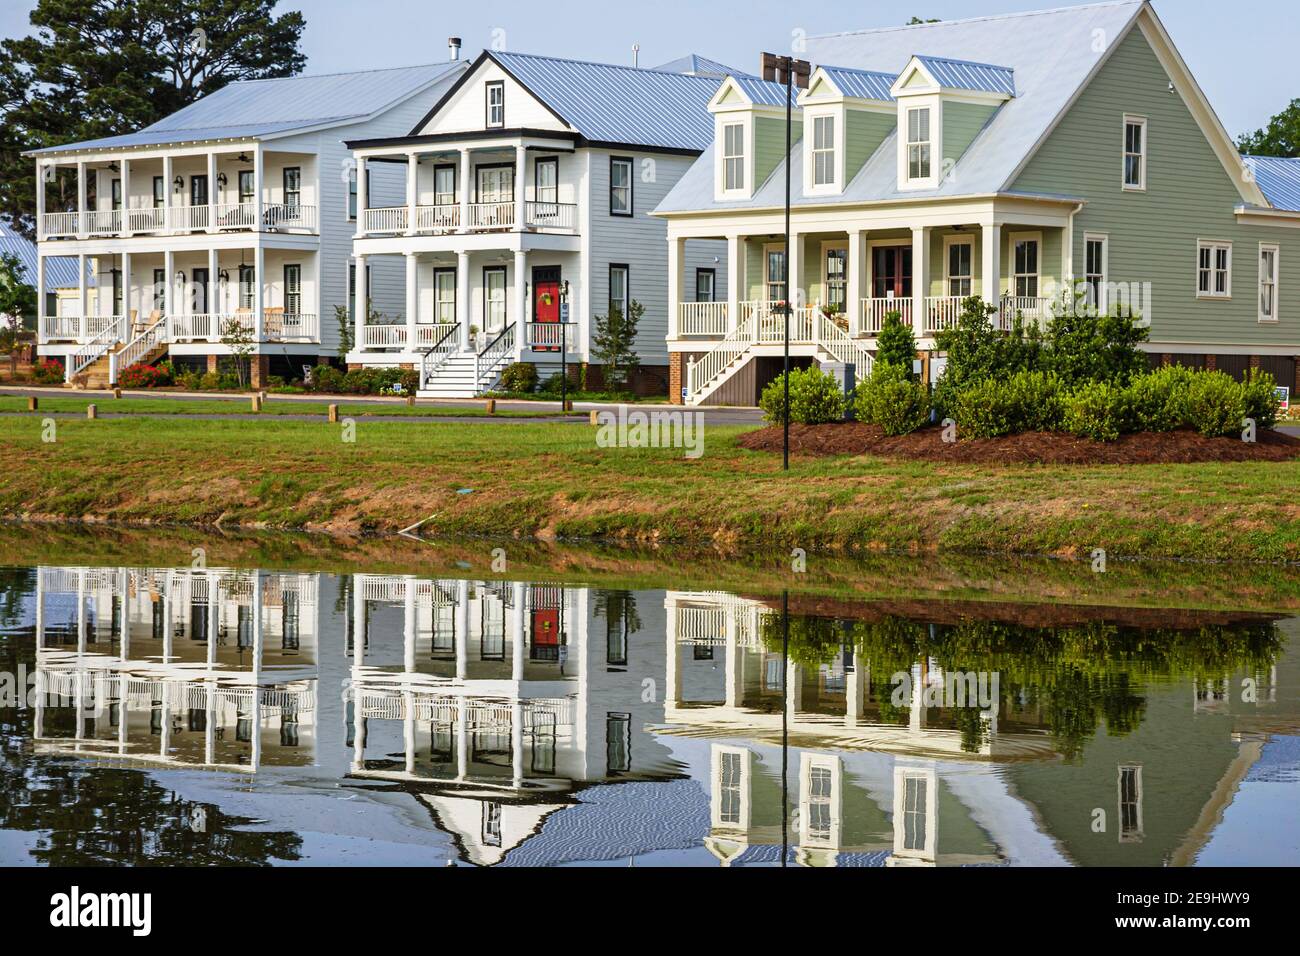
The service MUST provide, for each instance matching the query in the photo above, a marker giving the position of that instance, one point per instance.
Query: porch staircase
(447, 371)
(97, 364)
(760, 328)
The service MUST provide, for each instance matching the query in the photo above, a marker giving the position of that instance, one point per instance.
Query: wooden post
(92, 412)
(410, 400)
(117, 393)
(491, 406)
(32, 403)
(595, 415)
(256, 403)
(333, 413)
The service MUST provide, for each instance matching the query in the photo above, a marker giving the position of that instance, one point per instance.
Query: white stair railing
(137, 348)
(494, 355)
(433, 359)
(90, 353)
(703, 372)
(843, 346)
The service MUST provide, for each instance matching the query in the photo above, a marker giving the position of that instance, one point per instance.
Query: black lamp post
(792, 73)
(564, 348)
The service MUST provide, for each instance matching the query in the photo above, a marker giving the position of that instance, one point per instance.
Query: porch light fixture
(221, 179)
(180, 275)
(223, 275)
(179, 183)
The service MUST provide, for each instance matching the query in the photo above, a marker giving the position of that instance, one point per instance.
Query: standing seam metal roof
(60, 271)
(863, 84)
(964, 75)
(1278, 179)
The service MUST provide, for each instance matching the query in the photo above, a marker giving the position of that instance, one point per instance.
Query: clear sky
(1246, 54)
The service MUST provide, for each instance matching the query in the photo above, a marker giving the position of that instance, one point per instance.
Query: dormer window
(918, 143)
(496, 104)
(733, 157)
(823, 150)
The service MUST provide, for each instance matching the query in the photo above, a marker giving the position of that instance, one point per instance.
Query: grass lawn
(240, 406)
(551, 480)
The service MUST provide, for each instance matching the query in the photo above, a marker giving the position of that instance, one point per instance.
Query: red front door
(546, 308)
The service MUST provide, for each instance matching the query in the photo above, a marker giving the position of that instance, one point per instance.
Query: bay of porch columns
(991, 271)
(521, 298)
(412, 297)
(465, 187)
(920, 276)
(412, 201)
(462, 297)
(676, 265)
(521, 172)
(359, 292)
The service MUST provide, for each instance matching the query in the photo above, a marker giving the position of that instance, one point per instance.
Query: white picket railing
(55, 224)
(80, 328)
(290, 327)
(551, 335)
(439, 351)
(874, 312)
(1031, 308)
(102, 222)
(429, 334)
(551, 215)
(199, 327)
(236, 215)
(278, 215)
(493, 358)
(843, 346)
(702, 318)
(942, 312)
(137, 348)
(92, 351)
(439, 218)
(383, 336)
(146, 219)
(491, 215)
(186, 218)
(386, 219)
(702, 372)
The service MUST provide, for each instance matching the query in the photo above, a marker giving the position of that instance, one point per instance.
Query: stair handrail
(843, 346)
(493, 352)
(142, 344)
(92, 351)
(701, 372)
(437, 354)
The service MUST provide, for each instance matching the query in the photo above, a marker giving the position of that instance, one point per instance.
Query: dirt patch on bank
(1048, 448)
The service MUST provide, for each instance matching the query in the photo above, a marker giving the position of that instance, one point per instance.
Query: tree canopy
(97, 68)
(1281, 137)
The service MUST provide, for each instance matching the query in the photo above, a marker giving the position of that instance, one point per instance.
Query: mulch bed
(1048, 448)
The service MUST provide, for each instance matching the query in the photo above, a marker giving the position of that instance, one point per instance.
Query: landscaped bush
(144, 376)
(895, 345)
(48, 372)
(1260, 392)
(815, 398)
(519, 377)
(1215, 404)
(364, 381)
(1157, 399)
(1097, 410)
(1084, 347)
(892, 400)
(976, 352)
(1026, 402)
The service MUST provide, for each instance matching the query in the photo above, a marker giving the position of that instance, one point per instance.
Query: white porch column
(462, 298)
(363, 195)
(794, 271)
(212, 192)
(40, 200)
(517, 633)
(126, 197)
(259, 292)
(920, 277)
(465, 187)
(521, 171)
(857, 244)
(359, 303)
(216, 303)
(676, 263)
(83, 286)
(259, 175)
(126, 290)
(40, 295)
(412, 187)
(462, 629)
(167, 196)
(83, 227)
(521, 300)
(169, 289)
(412, 298)
(735, 278)
(991, 287)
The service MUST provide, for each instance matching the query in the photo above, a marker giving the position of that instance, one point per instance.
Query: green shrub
(895, 345)
(1083, 347)
(815, 398)
(892, 400)
(144, 376)
(1096, 410)
(1025, 402)
(551, 386)
(209, 381)
(326, 378)
(520, 377)
(1260, 391)
(1157, 400)
(48, 371)
(1215, 404)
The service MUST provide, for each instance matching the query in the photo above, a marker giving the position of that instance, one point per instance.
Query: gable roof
(861, 84)
(698, 65)
(1278, 179)
(967, 75)
(60, 271)
(259, 109)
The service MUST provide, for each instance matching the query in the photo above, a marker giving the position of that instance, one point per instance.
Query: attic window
(918, 143)
(823, 150)
(733, 156)
(1135, 152)
(496, 103)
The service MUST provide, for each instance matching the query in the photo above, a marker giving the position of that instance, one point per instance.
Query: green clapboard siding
(865, 131)
(1189, 196)
(961, 124)
(769, 145)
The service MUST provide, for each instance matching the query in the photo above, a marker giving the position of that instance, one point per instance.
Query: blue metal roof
(1278, 179)
(60, 271)
(863, 84)
(620, 104)
(698, 65)
(764, 92)
(965, 75)
(257, 108)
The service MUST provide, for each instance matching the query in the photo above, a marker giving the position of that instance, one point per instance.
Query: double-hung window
(733, 156)
(960, 265)
(1214, 270)
(620, 186)
(1135, 152)
(918, 143)
(1094, 272)
(837, 280)
(823, 150)
(444, 296)
(292, 186)
(776, 275)
(246, 188)
(292, 289)
(1268, 273)
(246, 280)
(1026, 268)
(117, 194)
(705, 282)
(444, 185)
(496, 103)
(618, 288)
(159, 192)
(494, 298)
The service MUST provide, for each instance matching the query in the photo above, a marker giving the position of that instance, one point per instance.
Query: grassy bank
(552, 481)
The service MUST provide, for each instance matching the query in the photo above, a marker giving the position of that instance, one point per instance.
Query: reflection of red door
(546, 305)
(891, 272)
(546, 627)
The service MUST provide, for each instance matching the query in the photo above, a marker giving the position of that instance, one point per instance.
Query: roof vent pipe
(636, 54)
(453, 48)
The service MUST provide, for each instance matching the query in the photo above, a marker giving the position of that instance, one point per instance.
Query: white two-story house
(525, 216)
(232, 218)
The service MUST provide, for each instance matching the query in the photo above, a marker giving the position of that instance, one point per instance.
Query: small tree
(347, 331)
(17, 305)
(237, 335)
(613, 342)
(895, 345)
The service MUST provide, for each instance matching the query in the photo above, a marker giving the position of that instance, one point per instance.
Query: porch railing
(54, 224)
(92, 351)
(702, 318)
(290, 327)
(185, 218)
(874, 311)
(383, 336)
(200, 327)
(439, 351)
(278, 215)
(147, 219)
(386, 219)
(101, 222)
(137, 348)
(550, 215)
(493, 357)
(1032, 308)
(79, 328)
(551, 335)
(491, 215)
(941, 312)
(438, 218)
(430, 334)
(236, 215)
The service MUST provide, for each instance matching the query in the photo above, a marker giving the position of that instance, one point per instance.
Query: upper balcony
(184, 193)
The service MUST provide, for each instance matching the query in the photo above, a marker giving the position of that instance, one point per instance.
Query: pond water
(200, 716)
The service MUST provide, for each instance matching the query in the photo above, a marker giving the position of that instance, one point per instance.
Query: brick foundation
(259, 367)
(213, 361)
(1211, 363)
(676, 375)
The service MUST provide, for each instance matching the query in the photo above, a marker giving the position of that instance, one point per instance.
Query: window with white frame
(918, 143)
(1135, 152)
(823, 150)
(733, 156)
(1268, 274)
(837, 278)
(620, 186)
(1095, 254)
(961, 268)
(444, 296)
(1025, 284)
(618, 288)
(494, 298)
(730, 780)
(916, 799)
(777, 289)
(444, 185)
(496, 103)
(1214, 270)
(247, 279)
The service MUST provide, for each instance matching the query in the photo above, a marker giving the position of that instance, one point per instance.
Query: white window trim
(869, 268)
(1012, 239)
(487, 104)
(958, 240)
(1134, 120)
(1212, 296)
(770, 247)
(836, 185)
(1277, 279)
(934, 104)
(1103, 295)
(827, 246)
(746, 157)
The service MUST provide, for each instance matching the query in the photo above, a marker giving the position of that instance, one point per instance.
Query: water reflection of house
(167, 666)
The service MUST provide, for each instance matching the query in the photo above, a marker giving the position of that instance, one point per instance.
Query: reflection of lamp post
(564, 347)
